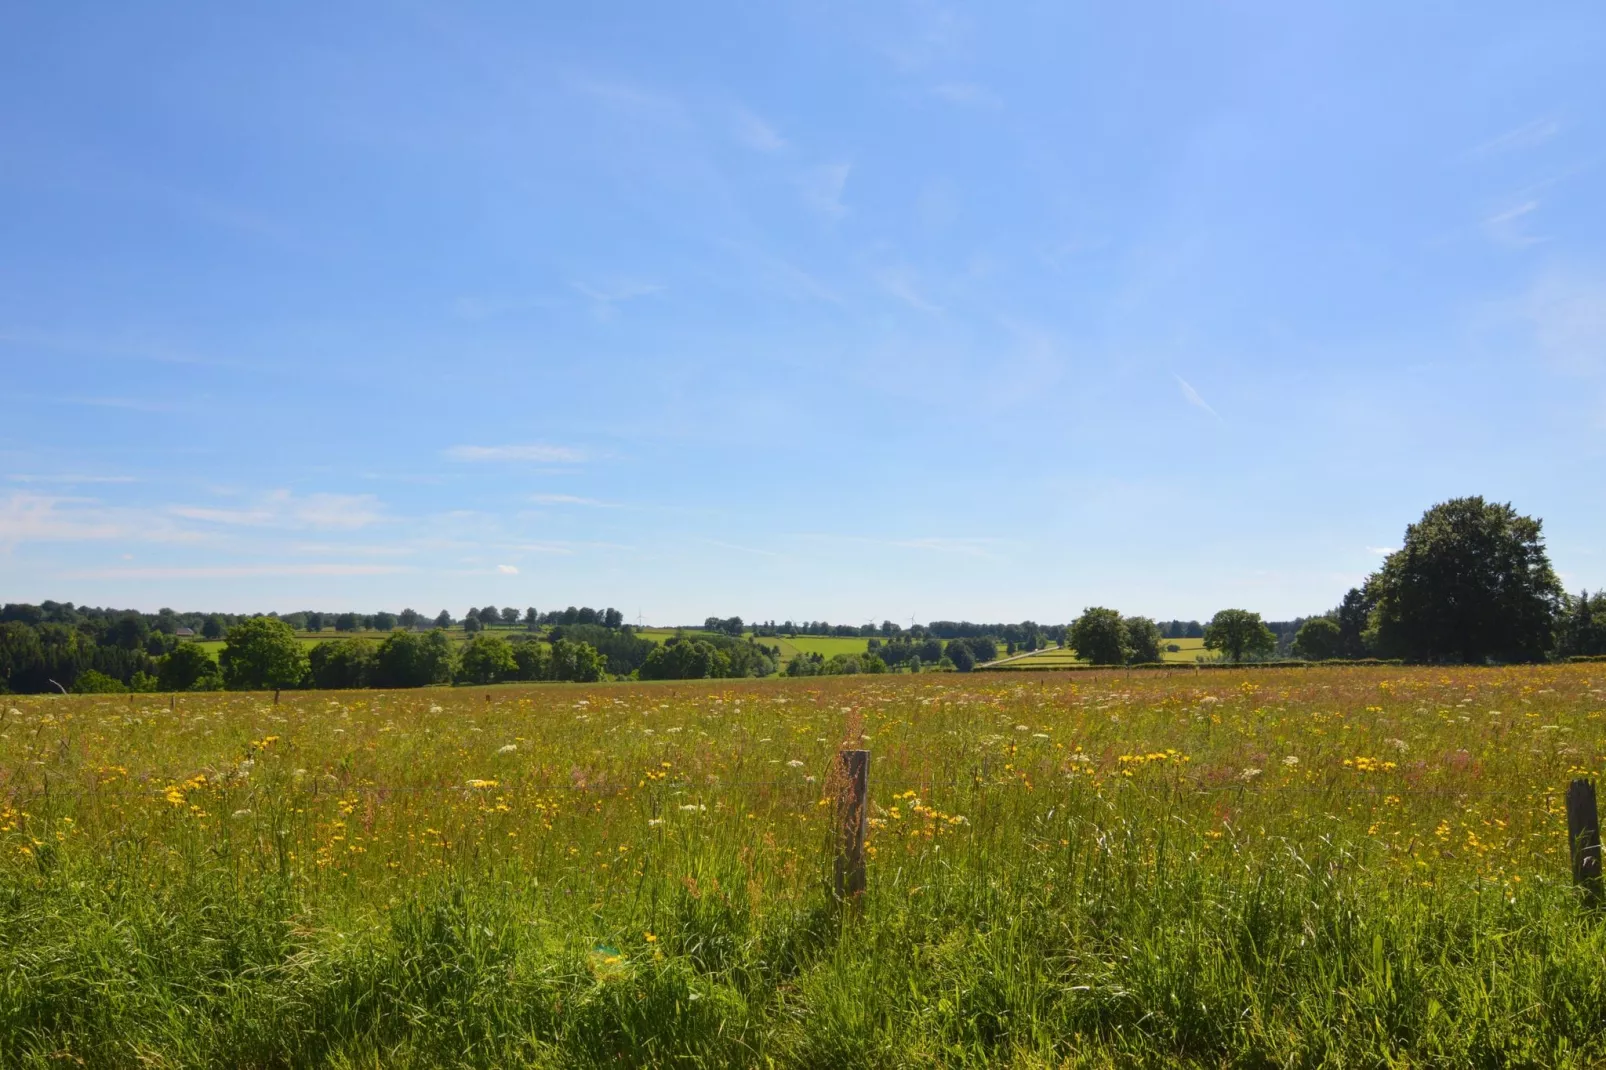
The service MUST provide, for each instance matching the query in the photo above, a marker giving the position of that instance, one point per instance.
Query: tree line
(1471, 583)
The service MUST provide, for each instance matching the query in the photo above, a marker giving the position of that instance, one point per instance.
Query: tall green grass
(1102, 871)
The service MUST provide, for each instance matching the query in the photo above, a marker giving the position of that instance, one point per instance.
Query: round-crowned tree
(188, 667)
(1101, 636)
(1143, 640)
(486, 659)
(1319, 639)
(262, 653)
(1472, 583)
(1238, 634)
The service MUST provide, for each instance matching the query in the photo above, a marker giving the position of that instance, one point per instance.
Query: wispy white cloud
(948, 545)
(43, 518)
(968, 546)
(758, 134)
(1528, 135)
(559, 548)
(936, 34)
(366, 549)
(899, 282)
(605, 301)
(630, 100)
(135, 404)
(1192, 397)
(229, 572)
(570, 499)
(740, 548)
(106, 347)
(1509, 227)
(508, 570)
(69, 479)
(541, 454)
(1565, 311)
(779, 276)
(484, 308)
(1381, 551)
(280, 508)
(26, 517)
(968, 93)
(823, 187)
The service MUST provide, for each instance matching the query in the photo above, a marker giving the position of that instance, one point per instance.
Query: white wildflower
(795, 764)
(507, 748)
(1290, 761)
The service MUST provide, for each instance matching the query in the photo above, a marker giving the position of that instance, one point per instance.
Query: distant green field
(825, 645)
(1188, 651)
(1192, 650)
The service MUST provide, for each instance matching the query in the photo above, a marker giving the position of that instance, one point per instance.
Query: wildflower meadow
(1344, 866)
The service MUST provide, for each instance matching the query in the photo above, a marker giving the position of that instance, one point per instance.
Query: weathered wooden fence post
(851, 813)
(1583, 835)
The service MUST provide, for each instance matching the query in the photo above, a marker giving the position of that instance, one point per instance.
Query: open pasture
(1188, 651)
(1311, 867)
(825, 645)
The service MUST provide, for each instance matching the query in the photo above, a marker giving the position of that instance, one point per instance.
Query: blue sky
(808, 310)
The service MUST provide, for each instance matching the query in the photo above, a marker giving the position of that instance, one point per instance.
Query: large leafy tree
(579, 663)
(1101, 636)
(1319, 639)
(1143, 640)
(1472, 583)
(188, 667)
(486, 659)
(262, 653)
(344, 663)
(684, 659)
(408, 659)
(958, 651)
(1239, 634)
(532, 660)
(1354, 617)
(1582, 631)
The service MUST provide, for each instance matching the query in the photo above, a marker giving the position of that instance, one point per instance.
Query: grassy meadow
(1287, 867)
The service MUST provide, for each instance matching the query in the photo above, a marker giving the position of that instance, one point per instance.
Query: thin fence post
(1583, 836)
(851, 818)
